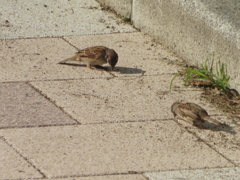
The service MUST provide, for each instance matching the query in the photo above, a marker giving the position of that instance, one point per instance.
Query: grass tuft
(220, 78)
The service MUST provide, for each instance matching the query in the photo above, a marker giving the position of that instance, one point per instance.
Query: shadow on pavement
(225, 127)
(121, 70)
(128, 70)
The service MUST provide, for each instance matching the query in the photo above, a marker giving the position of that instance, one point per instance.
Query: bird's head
(112, 57)
(175, 105)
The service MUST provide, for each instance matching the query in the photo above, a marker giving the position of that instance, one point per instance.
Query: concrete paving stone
(115, 148)
(198, 174)
(119, 99)
(37, 59)
(138, 54)
(107, 177)
(21, 105)
(226, 139)
(56, 18)
(13, 166)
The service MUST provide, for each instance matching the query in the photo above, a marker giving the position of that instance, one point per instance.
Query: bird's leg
(89, 66)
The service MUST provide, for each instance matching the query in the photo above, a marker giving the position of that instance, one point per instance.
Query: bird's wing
(187, 111)
(74, 58)
(207, 118)
(96, 52)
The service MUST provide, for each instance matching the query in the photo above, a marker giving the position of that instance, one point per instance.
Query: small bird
(192, 113)
(95, 56)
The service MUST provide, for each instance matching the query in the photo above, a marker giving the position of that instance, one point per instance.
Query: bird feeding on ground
(95, 56)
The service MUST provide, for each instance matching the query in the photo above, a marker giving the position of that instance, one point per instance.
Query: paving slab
(13, 166)
(138, 54)
(21, 105)
(226, 139)
(198, 174)
(119, 99)
(107, 177)
(115, 148)
(56, 18)
(37, 59)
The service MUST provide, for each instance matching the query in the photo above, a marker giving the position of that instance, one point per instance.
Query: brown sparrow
(192, 113)
(95, 56)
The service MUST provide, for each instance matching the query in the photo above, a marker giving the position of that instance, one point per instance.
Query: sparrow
(192, 113)
(95, 56)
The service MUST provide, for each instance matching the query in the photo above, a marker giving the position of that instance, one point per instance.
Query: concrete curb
(192, 29)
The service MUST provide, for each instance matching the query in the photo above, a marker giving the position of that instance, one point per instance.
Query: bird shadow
(73, 64)
(83, 65)
(224, 127)
(121, 70)
(128, 70)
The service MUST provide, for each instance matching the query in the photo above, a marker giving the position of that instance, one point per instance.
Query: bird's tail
(74, 58)
(213, 121)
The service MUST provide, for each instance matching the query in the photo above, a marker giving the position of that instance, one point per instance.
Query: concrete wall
(192, 29)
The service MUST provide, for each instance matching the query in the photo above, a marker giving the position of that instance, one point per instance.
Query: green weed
(220, 78)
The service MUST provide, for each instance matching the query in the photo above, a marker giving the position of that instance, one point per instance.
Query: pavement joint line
(193, 169)
(213, 148)
(106, 174)
(29, 178)
(90, 78)
(99, 34)
(39, 126)
(144, 176)
(59, 37)
(47, 80)
(27, 38)
(22, 156)
(85, 124)
(134, 172)
(52, 102)
(70, 44)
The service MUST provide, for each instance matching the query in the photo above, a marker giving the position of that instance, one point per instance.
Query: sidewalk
(70, 122)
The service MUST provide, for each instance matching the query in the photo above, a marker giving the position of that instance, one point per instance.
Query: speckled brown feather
(96, 52)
